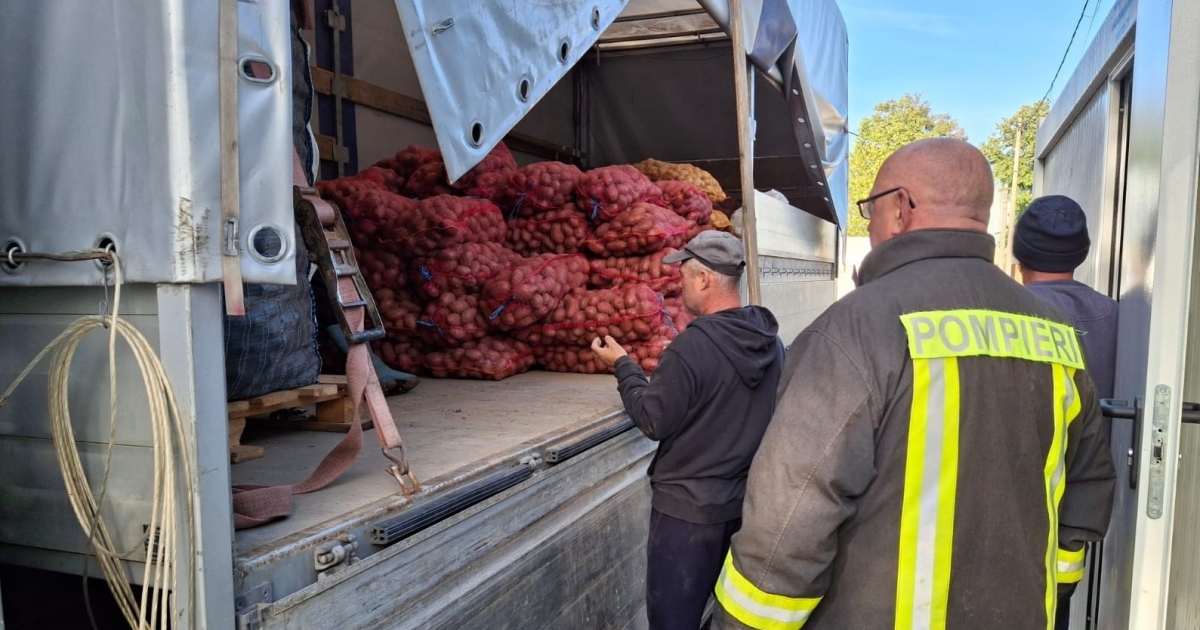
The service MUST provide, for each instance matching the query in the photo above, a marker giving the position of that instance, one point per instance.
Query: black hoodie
(708, 405)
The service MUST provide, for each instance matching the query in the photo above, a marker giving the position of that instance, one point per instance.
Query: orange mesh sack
(490, 358)
(529, 290)
(657, 170)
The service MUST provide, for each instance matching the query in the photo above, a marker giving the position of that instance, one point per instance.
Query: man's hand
(607, 351)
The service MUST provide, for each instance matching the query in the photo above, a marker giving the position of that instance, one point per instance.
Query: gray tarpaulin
(482, 67)
(110, 129)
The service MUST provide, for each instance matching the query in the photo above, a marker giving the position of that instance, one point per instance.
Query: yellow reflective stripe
(974, 332)
(1074, 405)
(1069, 569)
(1070, 565)
(947, 493)
(930, 491)
(757, 608)
(1064, 402)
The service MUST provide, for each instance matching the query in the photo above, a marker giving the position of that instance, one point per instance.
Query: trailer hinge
(249, 604)
(333, 555)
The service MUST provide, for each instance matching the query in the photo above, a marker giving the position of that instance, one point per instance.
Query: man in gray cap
(1050, 242)
(707, 405)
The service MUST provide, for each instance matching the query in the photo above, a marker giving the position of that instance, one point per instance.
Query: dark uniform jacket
(935, 459)
(708, 404)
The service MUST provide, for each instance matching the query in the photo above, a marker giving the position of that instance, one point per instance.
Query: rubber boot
(393, 382)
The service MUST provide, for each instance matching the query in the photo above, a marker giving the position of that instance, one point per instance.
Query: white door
(1156, 278)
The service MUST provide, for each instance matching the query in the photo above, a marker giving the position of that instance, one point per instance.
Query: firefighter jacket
(935, 460)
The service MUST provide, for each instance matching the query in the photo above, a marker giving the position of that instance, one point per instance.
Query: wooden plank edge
(370, 95)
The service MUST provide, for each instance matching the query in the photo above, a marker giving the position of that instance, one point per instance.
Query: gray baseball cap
(720, 251)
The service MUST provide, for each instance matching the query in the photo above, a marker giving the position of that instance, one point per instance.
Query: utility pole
(1010, 213)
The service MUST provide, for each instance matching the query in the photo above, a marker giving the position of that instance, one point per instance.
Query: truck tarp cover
(472, 59)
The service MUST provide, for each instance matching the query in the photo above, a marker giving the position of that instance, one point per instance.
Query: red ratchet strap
(256, 505)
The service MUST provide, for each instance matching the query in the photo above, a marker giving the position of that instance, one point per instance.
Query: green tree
(999, 150)
(893, 124)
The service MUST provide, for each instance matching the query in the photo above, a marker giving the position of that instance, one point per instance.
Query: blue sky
(977, 60)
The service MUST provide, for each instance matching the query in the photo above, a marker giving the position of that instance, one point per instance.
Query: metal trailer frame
(1146, 208)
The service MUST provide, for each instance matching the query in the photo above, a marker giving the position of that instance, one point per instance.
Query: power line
(1082, 13)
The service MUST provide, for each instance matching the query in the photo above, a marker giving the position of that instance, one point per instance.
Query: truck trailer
(161, 131)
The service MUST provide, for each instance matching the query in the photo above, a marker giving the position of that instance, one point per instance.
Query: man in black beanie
(1050, 242)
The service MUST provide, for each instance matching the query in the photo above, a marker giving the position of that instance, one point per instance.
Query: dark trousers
(1062, 616)
(683, 561)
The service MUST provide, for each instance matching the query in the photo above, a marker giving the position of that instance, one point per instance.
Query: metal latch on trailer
(1159, 419)
(249, 604)
(335, 554)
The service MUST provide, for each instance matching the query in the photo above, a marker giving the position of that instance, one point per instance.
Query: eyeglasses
(866, 207)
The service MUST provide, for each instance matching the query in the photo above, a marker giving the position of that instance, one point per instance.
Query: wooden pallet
(334, 412)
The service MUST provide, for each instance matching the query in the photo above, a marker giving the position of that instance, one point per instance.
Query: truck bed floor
(447, 424)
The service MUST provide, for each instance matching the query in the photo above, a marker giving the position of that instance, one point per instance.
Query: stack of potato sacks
(508, 267)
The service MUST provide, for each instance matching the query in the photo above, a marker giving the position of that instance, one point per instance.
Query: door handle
(1122, 410)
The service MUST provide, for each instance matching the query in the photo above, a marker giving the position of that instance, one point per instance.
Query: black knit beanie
(1051, 235)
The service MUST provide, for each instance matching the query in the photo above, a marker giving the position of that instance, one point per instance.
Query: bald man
(936, 458)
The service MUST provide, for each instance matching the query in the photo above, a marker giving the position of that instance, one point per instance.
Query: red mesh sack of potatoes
(644, 228)
(444, 221)
(689, 202)
(399, 312)
(452, 320)
(609, 273)
(569, 358)
(542, 187)
(373, 216)
(406, 355)
(629, 314)
(341, 191)
(562, 231)
(581, 360)
(490, 358)
(387, 179)
(493, 186)
(490, 175)
(460, 269)
(647, 353)
(428, 180)
(675, 316)
(381, 269)
(529, 290)
(603, 193)
(407, 161)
